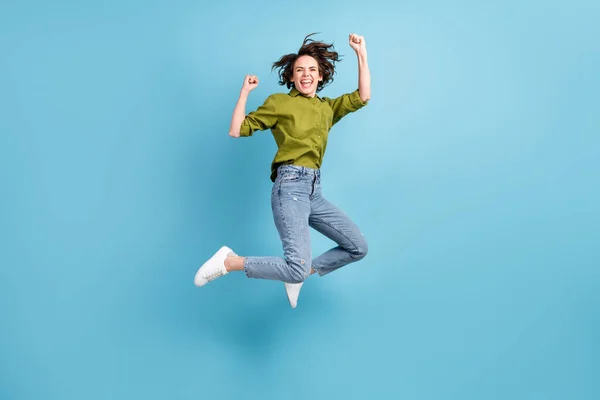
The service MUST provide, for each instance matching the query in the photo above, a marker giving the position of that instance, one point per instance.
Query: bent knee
(299, 270)
(297, 276)
(362, 248)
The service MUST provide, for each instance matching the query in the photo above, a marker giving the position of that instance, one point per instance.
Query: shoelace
(217, 273)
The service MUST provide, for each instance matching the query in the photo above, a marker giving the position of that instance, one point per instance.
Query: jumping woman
(300, 121)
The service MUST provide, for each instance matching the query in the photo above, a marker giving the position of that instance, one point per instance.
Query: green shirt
(299, 124)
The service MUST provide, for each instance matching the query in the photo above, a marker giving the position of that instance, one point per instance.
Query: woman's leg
(336, 225)
(290, 204)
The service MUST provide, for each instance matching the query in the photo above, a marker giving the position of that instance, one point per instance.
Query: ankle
(234, 263)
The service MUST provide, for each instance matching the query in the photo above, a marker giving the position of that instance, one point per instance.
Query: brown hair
(324, 53)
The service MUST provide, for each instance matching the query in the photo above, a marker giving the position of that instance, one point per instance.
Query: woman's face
(306, 75)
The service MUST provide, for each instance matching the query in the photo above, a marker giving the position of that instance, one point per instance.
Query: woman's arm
(364, 76)
(239, 112)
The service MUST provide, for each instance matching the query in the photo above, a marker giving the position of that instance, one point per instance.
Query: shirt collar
(294, 93)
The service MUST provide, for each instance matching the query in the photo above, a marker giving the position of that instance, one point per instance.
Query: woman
(300, 121)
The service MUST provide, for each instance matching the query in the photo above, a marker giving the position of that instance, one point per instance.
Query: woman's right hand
(250, 83)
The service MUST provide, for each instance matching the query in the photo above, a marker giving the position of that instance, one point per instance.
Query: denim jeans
(298, 205)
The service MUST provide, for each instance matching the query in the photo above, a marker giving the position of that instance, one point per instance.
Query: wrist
(244, 92)
(362, 54)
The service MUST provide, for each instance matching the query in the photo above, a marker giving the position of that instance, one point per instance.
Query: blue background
(473, 172)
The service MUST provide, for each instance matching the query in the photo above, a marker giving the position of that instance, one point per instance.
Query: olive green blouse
(299, 124)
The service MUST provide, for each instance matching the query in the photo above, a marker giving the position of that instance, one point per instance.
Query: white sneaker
(293, 291)
(214, 267)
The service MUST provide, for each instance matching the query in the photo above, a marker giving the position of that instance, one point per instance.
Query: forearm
(239, 113)
(364, 77)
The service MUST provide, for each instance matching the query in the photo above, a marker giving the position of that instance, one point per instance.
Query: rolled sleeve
(263, 118)
(356, 101)
(345, 104)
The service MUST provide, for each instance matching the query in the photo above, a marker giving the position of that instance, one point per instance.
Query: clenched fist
(357, 43)
(250, 83)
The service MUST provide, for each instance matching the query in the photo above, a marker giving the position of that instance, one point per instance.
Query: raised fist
(250, 83)
(357, 42)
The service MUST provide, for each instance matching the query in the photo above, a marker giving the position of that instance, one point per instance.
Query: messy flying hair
(324, 53)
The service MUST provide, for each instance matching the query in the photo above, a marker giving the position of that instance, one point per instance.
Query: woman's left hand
(357, 43)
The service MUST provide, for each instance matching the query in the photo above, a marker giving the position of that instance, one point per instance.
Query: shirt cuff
(357, 101)
(245, 129)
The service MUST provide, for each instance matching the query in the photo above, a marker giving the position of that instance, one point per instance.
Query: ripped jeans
(298, 205)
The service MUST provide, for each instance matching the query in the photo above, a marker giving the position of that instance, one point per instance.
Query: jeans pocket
(290, 177)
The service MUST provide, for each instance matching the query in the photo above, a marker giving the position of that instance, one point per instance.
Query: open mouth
(306, 83)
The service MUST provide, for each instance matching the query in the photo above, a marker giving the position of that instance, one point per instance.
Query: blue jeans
(298, 204)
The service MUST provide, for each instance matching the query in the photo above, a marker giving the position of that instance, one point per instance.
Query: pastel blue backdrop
(473, 172)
